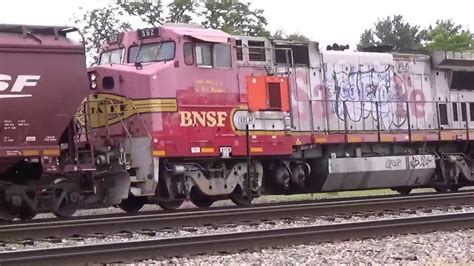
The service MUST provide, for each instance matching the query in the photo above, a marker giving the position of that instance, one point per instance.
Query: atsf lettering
(202, 118)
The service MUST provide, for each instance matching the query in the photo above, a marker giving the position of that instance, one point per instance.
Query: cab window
(222, 57)
(188, 53)
(204, 55)
(112, 57)
(213, 55)
(152, 52)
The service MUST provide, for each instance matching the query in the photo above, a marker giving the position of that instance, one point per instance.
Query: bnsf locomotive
(165, 113)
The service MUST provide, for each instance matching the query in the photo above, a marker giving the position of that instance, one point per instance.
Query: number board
(114, 38)
(148, 33)
(247, 120)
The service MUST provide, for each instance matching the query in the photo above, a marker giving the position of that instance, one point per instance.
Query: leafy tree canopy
(296, 36)
(446, 35)
(394, 31)
(97, 24)
(150, 12)
(234, 17)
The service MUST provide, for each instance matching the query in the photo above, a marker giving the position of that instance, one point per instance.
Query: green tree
(234, 17)
(393, 31)
(150, 12)
(448, 36)
(181, 11)
(98, 24)
(296, 36)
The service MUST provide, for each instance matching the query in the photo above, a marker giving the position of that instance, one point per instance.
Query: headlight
(93, 77)
(93, 85)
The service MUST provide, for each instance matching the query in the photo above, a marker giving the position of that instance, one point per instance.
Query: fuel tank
(43, 80)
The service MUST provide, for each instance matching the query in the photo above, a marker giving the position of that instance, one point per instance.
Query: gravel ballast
(431, 248)
(229, 228)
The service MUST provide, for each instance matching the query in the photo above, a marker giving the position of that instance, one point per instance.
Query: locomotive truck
(164, 114)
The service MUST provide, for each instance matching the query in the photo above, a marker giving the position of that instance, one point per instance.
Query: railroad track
(146, 222)
(137, 250)
(122, 214)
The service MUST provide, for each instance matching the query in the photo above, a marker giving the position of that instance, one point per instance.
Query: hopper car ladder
(84, 146)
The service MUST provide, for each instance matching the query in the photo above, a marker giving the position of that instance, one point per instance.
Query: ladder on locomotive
(83, 143)
(290, 73)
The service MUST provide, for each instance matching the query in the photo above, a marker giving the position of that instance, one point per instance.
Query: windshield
(152, 52)
(112, 57)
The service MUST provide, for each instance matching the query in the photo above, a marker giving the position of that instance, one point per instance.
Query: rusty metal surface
(136, 250)
(115, 224)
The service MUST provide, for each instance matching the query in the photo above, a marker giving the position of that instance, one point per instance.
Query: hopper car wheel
(441, 188)
(454, 188)
(26, 213)
(238, 198)
(132, 204)
(67, 199)
(65, 209)
(403, 191)
(199, 199)
(170, 205)
(6, 216)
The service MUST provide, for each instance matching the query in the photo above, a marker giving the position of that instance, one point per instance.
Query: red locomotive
(168, 109)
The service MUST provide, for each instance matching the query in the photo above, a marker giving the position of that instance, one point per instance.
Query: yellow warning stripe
(51, 152)
(159, 153)
(207, 150)
(31, 153)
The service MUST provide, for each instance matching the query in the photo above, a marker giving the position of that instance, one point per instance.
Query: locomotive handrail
(116, 112)
(141, 120)
(292, 75)
(114, 108)
(420, 123)
(120, 118)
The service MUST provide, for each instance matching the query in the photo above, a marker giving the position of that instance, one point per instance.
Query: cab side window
(204, 55)
(213, 55)
(188, 53)
(222, 57)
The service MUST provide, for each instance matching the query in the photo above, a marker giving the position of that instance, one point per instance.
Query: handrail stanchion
(408, 120)
(378, 120)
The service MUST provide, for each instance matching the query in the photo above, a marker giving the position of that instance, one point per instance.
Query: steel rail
(65, 228)
(136, 250)
(268, 204)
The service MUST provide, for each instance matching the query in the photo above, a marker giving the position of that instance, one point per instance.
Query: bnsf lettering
(205, 119)
(20, 83)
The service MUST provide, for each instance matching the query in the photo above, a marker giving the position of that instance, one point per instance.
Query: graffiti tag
(420, 161)
(393, 163)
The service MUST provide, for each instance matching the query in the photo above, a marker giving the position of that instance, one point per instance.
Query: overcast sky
(326, 21)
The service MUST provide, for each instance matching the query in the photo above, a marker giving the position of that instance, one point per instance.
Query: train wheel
(454, 188)
(170, 205)
(238, 198)
(403, 190)
(6, 216)
(67, 198)
(199, 199)
(26, 213)
(65, 209)
(132, 204)
(441, 188)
